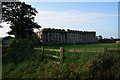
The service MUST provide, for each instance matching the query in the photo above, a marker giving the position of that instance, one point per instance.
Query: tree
(99, 37)
(111, 38)
(21, 18)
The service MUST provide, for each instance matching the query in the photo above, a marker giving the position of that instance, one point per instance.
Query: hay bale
(118, 42)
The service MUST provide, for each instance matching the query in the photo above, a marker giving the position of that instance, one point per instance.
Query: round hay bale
(117, 42)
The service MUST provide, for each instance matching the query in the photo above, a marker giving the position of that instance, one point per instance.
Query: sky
(84, 16)
(70, 0)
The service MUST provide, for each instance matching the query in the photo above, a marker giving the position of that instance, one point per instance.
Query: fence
(62, 51)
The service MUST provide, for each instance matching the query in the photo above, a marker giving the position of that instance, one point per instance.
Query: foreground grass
(101, 66)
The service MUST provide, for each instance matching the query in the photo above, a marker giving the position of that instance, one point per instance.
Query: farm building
(61, 36)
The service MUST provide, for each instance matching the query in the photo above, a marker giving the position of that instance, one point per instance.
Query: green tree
(21, 18)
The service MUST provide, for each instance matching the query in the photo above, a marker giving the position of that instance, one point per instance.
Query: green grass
(95, 46)
(89, 65)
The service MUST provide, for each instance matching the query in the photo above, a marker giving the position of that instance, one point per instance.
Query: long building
(61, 36)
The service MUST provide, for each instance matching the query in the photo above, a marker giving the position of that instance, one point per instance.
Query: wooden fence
(62, 51)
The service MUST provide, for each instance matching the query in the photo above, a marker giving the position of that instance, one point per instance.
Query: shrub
(18, 50)
(103, 66)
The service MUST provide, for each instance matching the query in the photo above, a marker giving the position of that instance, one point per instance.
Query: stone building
(61, 36)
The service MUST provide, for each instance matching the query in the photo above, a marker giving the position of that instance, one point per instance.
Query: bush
(18, 50)
(103, 66)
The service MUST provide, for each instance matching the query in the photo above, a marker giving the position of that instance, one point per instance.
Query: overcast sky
(91, 16)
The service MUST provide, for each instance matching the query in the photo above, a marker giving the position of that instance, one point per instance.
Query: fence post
(42, 50)
(74, 49)
(61, 55)
(104, 50)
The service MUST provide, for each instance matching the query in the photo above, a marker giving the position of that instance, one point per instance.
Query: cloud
(71, 17)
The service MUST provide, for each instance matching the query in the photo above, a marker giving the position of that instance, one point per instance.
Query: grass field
(95, 46)
(90, 65)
